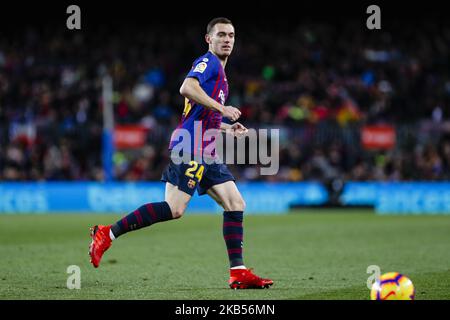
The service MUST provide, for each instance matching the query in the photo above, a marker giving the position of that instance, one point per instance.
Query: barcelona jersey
(196, 118)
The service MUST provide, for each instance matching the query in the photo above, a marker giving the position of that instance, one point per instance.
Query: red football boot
(100, 243)
(245, 279)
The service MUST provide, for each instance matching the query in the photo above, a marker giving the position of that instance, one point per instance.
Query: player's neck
(223, 61)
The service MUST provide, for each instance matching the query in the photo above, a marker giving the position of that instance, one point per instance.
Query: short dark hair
(215, 21)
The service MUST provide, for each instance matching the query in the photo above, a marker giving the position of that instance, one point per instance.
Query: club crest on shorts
(191, 183)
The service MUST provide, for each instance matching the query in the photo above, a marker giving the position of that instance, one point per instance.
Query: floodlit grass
(309, 254)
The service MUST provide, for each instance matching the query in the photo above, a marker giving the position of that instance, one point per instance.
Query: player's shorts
(192, 176)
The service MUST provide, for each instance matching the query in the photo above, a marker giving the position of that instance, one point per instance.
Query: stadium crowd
(318, 83)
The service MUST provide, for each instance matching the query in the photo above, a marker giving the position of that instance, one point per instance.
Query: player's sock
(144, 216)
(238, 267)
(111, 235)
(233, 233)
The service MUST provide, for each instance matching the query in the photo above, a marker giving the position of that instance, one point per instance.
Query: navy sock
(144, 216)
(233, 234)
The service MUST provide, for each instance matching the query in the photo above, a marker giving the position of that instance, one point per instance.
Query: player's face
(221, 39)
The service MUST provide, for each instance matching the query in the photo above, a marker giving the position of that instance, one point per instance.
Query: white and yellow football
(392, 286)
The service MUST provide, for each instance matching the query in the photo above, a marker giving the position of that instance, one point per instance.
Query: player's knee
(236, 204)
(177, 213)
(176, 209)
(240, 204)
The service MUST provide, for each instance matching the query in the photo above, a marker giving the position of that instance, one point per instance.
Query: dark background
(273, 13)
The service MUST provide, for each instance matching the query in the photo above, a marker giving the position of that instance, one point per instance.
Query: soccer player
(205, 89)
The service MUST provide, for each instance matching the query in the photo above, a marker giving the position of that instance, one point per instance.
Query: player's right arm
(192, 90)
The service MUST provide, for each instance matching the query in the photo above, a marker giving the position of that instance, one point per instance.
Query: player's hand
(231, 113)
(238, 130)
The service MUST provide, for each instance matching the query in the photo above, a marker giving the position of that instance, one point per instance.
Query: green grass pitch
(309, 254)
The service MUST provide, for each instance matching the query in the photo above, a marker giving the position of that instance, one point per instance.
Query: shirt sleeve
(203, 70)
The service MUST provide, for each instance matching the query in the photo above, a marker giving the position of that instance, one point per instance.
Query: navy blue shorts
(192, 176)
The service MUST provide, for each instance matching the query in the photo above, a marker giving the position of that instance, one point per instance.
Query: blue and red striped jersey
(208, 70)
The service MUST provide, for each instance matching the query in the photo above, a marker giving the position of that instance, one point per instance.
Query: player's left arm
(237, 129)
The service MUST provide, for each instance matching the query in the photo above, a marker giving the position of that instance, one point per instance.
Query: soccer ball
(392, 286)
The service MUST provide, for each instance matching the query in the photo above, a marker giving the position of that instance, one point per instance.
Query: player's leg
(178, 200)
(229, 198)
(227, 195)
(179, 190)
(172, 207)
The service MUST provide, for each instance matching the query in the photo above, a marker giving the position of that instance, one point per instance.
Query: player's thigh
(215, 196)
(178, 200)
(228, 196)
